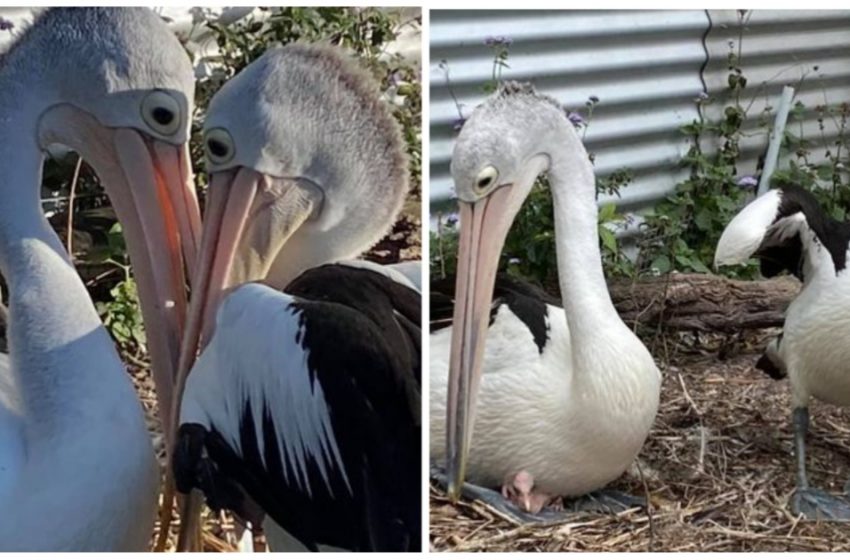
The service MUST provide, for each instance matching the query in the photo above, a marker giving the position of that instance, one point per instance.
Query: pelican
(787, 229)
(565, 397)
(77, 468)
(305, 403)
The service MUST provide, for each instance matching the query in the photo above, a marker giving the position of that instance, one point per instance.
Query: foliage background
(681, 231)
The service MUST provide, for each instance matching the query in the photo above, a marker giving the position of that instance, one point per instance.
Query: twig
(70, 232)
(136, 361)
(702, 438)
(440, 245)
(650, 547)
(688, 395)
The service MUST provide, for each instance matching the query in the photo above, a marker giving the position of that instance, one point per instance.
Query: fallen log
(704, 302)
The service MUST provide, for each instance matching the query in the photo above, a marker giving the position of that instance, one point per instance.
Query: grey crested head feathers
(119, 55)
(311, 112)
(512, 125)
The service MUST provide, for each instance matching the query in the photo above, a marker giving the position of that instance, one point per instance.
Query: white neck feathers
(58, 346)
(595, 327)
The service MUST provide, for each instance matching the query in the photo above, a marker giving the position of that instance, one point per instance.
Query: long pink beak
(234, 204)
(158, 209)
(484, 227)
(229, 200)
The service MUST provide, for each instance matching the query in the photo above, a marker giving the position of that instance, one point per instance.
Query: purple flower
(5, 24)
(498, 41)
(458, 123)
(396, 78)
(747, 182)
(575, 118)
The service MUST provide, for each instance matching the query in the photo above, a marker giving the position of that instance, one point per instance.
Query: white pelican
(305, 401)
(77, 468)
(565, 400)
(787, 229)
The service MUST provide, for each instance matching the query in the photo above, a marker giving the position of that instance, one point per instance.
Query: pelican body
(77, 468)
(787, 229)
(561, 399)
(323, 433)
(304, 405)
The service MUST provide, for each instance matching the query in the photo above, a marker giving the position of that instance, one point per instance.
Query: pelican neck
(54, 332)
(581, 278)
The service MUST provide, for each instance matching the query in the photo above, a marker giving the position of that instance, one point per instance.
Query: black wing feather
(526, 300)
(363, 340)
(831, 234)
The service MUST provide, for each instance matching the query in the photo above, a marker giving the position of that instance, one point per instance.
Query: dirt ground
(718, 468)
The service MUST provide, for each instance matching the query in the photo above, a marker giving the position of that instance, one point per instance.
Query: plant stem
(69, 241)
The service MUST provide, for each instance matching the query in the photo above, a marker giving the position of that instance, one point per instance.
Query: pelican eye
(161, 112)
(163, 116)
(218, 145)
(486, 178)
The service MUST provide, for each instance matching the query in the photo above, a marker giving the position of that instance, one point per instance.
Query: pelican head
(502, 148)
(116, 86)
(307, 166)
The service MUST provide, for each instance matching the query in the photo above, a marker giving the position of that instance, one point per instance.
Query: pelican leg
(812, 503)
(497, 501)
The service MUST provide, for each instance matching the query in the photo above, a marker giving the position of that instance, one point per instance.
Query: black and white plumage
(530, 304)
(321, 423)
(787, 229)
(307, 168)
(521, 397)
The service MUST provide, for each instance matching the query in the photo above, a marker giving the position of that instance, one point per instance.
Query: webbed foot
(817, 504)
(604, 501)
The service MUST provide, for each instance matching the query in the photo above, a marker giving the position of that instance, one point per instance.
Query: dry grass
(718, 466)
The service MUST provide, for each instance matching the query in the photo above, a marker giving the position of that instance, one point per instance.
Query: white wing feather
(749, 229)
(254, 356)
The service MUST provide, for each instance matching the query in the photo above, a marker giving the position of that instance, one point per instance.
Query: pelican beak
(241, 237)
(153, 193)
(150, 185)
(484, 227)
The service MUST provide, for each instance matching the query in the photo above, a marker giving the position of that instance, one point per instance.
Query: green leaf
(825, 171)
(704, 219)
(607, 213)
(698, 266)
(662, 264)
(609, 240)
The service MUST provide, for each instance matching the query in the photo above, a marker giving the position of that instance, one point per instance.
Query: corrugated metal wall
(808, 50)
(646, 67)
